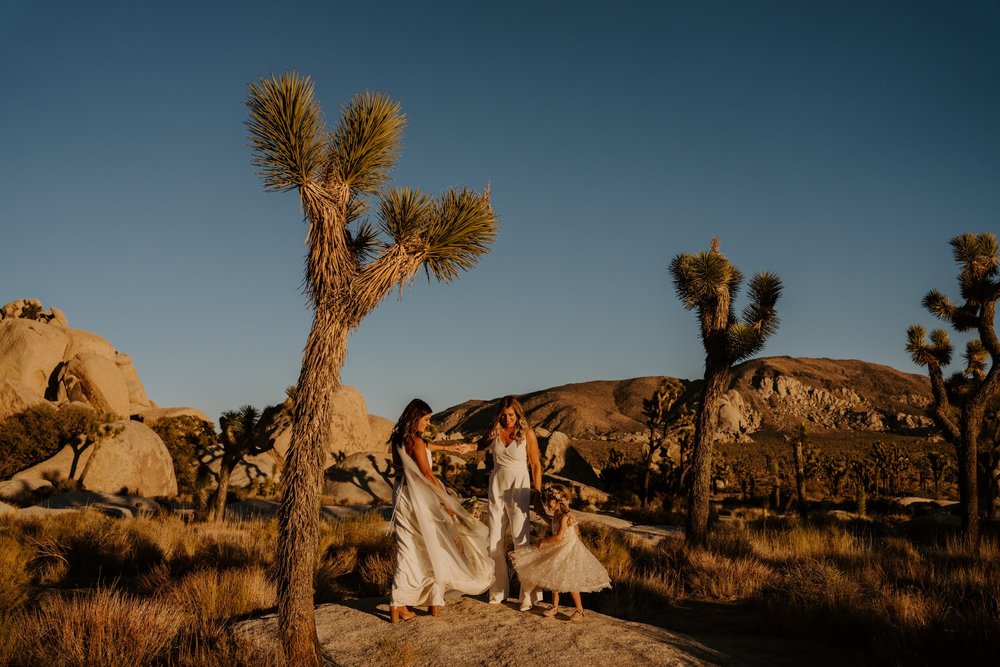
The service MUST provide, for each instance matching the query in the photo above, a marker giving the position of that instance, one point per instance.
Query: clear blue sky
(840, 145)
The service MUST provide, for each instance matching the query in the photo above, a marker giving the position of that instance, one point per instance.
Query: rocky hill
(767, 395)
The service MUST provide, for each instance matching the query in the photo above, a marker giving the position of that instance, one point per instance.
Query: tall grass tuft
(104, 628)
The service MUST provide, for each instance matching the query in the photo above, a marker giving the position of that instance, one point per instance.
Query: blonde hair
(520, 428)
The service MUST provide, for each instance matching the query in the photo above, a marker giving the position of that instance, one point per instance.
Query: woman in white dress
(439, 546)
(515, 479)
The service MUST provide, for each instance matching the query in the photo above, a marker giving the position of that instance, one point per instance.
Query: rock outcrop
(44, 360)
(772, 394)
(41, 352)
(362, 478)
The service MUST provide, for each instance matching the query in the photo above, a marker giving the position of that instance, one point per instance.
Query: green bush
(187, 439)
(38, 433)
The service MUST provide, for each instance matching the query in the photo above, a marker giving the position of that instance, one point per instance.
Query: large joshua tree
(351, 265)
(959, 403)
(708, 283)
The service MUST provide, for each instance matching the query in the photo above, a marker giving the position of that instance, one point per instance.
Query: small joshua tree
(959, 403)
(708, 283)
(82, 428)
(666, 421)
(239, 437)
(800, 444)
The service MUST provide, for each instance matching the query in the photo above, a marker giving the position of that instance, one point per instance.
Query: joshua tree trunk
(218, 503)
(297, 525)
(968, 492)
(800, 475)
(716, 384)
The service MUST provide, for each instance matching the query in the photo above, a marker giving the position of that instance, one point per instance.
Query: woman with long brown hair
(439, 546)
(516, 474)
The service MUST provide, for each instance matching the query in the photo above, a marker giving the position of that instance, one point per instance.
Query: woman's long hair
(522, 423)
(406, 428)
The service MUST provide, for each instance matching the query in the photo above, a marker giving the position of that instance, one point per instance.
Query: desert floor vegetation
(874, 599)
(81, 588)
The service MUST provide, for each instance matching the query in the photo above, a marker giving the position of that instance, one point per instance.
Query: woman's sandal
(397, 614)
(551, 611)
(576, 616)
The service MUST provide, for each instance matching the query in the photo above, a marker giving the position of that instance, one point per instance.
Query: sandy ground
(471, 632)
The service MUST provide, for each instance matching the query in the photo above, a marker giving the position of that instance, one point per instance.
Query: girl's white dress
(435, 551)
(564, 566)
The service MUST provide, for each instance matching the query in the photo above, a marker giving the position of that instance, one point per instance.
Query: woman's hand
(464, 449)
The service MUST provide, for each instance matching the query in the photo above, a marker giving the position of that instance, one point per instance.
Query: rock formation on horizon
(767, 395)
(43, 360)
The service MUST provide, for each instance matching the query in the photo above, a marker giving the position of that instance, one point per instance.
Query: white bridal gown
(435, 552)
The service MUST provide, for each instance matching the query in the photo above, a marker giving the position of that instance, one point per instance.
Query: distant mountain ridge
(766, 395)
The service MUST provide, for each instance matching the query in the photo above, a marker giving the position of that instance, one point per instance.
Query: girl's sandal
(551, 611)
(576, 616)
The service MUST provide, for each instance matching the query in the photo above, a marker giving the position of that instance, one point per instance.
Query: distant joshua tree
(799, 443)
(959, 403)
(81, 428)
(239, 437)
(666, 421)
(349, 270)
(708, 283)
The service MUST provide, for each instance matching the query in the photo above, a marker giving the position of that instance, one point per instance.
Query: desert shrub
(15, 580)
(187, 439)
(27, 438)
(376, 570)
(88, 545)
(210, 596)
(104, 628)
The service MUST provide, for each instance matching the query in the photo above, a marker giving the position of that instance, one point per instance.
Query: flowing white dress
(435, 552)
(510, 503)
(563, 566)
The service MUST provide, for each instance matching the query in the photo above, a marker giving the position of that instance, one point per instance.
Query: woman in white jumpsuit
(515, 479)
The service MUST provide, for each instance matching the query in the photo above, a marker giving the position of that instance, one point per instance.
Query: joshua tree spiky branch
(959, 403)
(708, 282)
(349, 270)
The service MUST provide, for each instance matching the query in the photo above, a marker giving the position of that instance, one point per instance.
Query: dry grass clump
(211, 596)
(356, 557)
(15, 580)
(103, 628)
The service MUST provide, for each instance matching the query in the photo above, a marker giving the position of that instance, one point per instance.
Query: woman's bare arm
(417, 449)
(535, 468)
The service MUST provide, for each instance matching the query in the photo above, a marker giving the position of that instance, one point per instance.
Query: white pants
(510, 503)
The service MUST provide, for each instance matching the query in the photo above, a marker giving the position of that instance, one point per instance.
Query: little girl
(560, 562)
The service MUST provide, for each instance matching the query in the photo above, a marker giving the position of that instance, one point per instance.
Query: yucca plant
(959, 403)
(707, 282)
(239, 437)
(351, 266)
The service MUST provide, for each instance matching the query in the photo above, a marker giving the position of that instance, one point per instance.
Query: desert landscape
(344, 334)
(115, 531)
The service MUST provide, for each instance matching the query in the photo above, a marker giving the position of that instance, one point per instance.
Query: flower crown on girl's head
(556, 492)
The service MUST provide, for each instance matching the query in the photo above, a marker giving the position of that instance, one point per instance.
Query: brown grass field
(83, 589)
